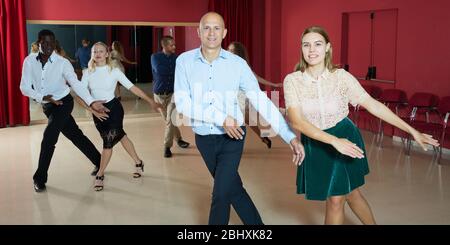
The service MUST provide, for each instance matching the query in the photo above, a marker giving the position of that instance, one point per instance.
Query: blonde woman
(117, 57)
(34, 48)
(317, 98)
(239, 49)
(101, 79)
(59, 50)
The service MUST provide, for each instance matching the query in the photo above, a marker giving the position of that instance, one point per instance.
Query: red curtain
(14, 107)
(237, 15)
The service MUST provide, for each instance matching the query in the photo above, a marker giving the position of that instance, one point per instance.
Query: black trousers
(60, 120)
(222, 156)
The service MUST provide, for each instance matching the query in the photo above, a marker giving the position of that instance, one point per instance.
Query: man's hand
(298, 151)
(233, 129)
(101, 116)
(49, 98)
(99, 107)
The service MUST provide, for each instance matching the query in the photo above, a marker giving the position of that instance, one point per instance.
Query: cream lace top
(323, 102)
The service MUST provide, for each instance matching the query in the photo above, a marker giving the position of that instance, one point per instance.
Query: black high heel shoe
(267, 141)
(98, 184)
(139, 170)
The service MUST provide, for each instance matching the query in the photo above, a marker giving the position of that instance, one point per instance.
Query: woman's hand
(348, 148)
(156, 106)
(51, 100)
(423, 139)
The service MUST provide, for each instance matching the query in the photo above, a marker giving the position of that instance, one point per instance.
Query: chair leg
(441, 143)
(439, 157)
(408, 146)
(380, 133)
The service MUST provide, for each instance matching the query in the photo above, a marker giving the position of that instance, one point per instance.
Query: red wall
(423, 37)
(272, 40)
(117, 10)
(257, 28)
(192, 40)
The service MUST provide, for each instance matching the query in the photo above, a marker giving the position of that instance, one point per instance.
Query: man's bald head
(211, 31)
(212, 17)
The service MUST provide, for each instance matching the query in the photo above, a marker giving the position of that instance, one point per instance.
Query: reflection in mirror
(136, 44)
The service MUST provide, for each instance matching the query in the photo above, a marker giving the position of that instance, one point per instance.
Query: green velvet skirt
(326, 172)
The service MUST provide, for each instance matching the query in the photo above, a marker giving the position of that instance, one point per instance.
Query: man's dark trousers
(60, 120)
(222, 156)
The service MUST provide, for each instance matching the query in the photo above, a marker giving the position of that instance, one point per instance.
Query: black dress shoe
(39, 187)
(267, 141)
(183, 144)
(95, 171)
(167, 152)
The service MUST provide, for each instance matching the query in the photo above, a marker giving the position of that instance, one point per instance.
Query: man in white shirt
(44, 79)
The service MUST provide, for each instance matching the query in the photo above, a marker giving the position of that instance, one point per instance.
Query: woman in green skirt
(317, 98)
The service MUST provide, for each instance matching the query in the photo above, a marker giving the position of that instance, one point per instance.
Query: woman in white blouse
(101, 80)
(239, 49)
(317, 100)
(117, 57)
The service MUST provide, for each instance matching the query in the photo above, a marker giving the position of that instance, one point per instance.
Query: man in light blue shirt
(207, 81)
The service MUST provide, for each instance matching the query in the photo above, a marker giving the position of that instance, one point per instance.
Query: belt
(164, 93)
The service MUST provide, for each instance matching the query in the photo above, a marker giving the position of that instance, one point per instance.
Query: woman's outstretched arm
(384, 113)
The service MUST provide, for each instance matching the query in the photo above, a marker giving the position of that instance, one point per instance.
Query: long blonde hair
(117, 46)
(34, 47)
(92, 65)
(328, 55)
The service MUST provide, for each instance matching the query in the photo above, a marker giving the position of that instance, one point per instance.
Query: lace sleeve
(352, 89)
(291, 98)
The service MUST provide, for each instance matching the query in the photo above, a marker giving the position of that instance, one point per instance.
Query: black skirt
(111, 129)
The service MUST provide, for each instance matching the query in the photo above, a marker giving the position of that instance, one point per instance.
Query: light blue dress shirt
(207, 93)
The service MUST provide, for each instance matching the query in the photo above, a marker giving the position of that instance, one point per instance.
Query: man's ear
(198, 32)
(224, 33)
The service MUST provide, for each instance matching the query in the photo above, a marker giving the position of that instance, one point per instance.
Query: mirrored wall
(139, 43)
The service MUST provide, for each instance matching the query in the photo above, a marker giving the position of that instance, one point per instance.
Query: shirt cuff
(89, 101)
(39, 99)
(288, 136)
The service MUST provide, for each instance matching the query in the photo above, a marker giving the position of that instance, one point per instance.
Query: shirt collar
(51, 58)
(170, 55)
(223, 54)
(309, 79)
